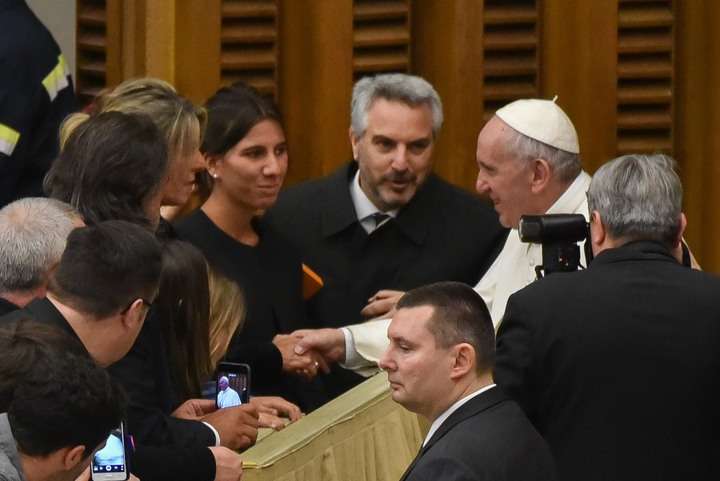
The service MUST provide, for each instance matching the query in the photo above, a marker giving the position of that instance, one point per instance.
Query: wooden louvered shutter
(98, 47)
(511, 52)
(645, 76)
(249, 50)
(381, 36)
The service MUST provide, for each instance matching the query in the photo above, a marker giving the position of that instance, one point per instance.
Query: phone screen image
(109, 463)
(232, 385)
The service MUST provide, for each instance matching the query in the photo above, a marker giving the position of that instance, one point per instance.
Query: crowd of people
(118, 302)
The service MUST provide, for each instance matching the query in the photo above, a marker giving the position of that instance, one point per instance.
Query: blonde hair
(180, 122)
(227, 313)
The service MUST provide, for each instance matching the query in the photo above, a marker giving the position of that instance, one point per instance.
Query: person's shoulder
(8, 472)
(306, 195)
(190, 226)
(503, 430)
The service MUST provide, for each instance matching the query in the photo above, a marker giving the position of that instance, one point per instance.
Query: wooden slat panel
(397, 9)
(511, 14)
(645, 76)
(249, 34)
(644, 95)
(92, 15)
(239, 60)
(644, 120)
(249, 43)
(381, 36)
(91, 48)
(511, 43)
(249, 9)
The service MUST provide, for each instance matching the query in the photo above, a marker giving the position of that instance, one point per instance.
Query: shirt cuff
(217, 435)
(353, 359)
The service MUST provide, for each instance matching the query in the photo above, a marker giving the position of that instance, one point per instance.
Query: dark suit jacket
(443, 234)
(618, 366)
(149, 463)
(7, 307)
(145, 374)
(487, 438)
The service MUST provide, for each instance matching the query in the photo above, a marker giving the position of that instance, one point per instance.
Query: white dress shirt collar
(364, 208)
(443, 417)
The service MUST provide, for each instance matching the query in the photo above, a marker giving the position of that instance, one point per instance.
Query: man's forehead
(410, 321)
(389, 113)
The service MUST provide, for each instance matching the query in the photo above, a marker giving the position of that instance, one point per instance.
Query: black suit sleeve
(513, 360)
(447, 468)
(173, 464)
(145, 376)
(263, 357)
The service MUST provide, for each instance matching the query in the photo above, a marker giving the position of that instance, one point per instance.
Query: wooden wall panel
(511, 45)
(381, 36)
(249, 44)
(448, 52)
(634, 75)
(579, 63)
(697, 122)
(98, 52)
(645, 76)
(197, 48)
(316, 74)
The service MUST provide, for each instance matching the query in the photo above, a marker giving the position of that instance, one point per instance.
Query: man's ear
(134, 316)
(597, 230)
(353, 142)
(541, 173)
(71, 457)
(681, 231)
(464, 360)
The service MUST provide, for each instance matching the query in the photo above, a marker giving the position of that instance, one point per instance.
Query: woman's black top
(270, 276)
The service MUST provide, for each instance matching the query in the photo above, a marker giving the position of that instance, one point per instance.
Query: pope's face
(506, 180)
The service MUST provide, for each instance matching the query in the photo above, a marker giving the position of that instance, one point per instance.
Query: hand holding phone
(109, 463)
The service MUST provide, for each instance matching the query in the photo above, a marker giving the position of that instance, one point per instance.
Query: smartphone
(109, 463)
(232, 385)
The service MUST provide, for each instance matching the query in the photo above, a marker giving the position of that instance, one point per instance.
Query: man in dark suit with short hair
(385, 221)
(618, 365)
(439, 364)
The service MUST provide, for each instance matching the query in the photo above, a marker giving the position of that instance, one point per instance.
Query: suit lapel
(471, 408)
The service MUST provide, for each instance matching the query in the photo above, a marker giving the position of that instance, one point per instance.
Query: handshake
(305, 352)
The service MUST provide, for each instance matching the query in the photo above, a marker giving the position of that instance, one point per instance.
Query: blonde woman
(180, 122)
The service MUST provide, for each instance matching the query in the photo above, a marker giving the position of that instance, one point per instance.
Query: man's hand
(276, 406)
(194, 409)
(382, 304)
(272, 409)
(228, 464)
(329, 343)
(237, 426)
(305, 364)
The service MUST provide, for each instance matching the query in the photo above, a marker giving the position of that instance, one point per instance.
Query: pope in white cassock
(227, 397)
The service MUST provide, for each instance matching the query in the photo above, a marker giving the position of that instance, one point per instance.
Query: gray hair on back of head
(408, 89)
(639, 197)
(33, 233)
(565, 165)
